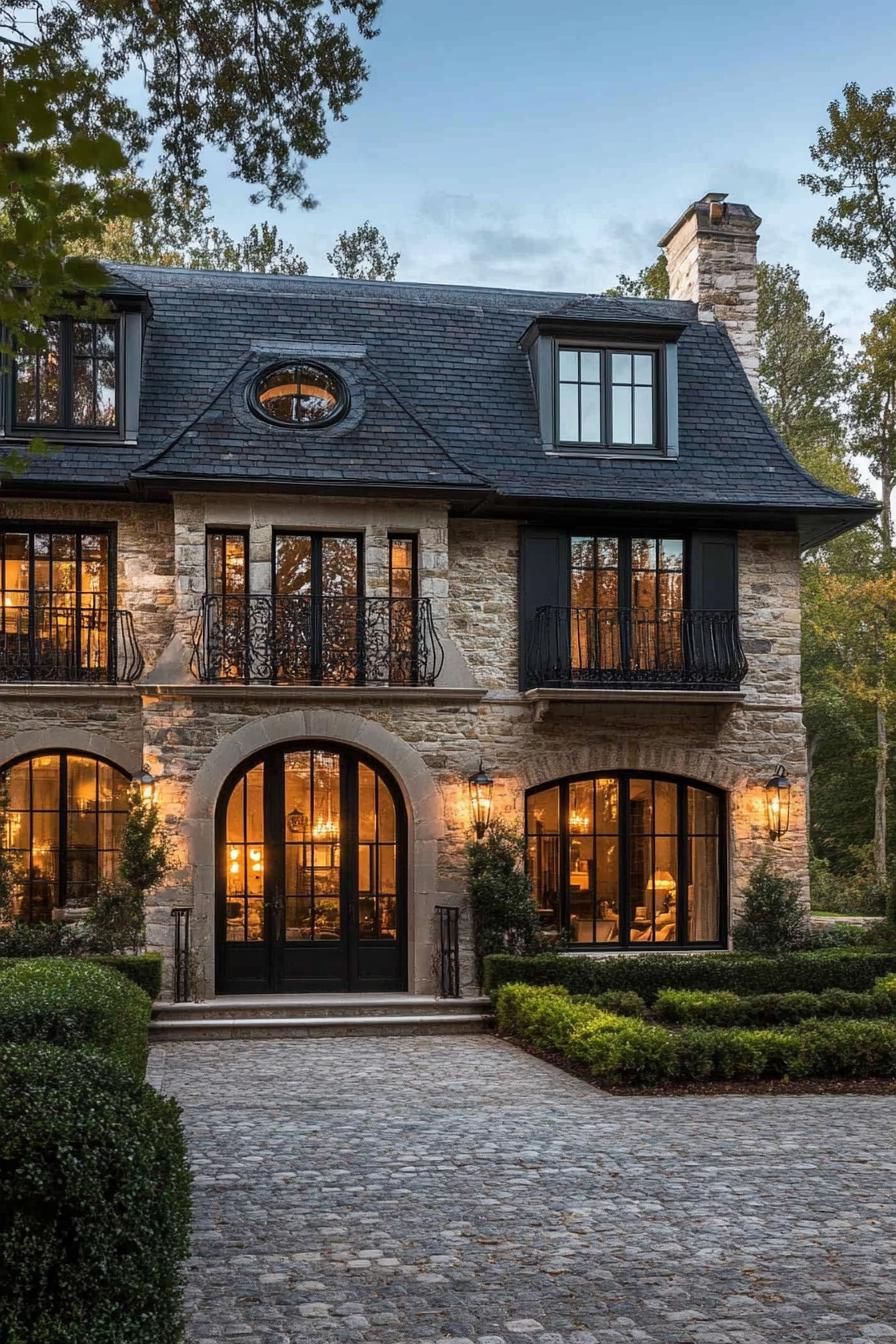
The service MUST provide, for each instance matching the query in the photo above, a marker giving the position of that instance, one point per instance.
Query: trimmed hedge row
(649, 973)
(95, 1191)
(630, 1051)
(75, 1003)
(145, 969)
(721, 1008)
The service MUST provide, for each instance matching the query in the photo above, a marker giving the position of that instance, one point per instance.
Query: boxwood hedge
(145, 970)
(629, 1050)
(94, 1187)
(648, 973)
(72, 1003)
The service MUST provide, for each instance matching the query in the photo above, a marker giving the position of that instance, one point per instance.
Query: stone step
(294, 1006)
(278, 1028)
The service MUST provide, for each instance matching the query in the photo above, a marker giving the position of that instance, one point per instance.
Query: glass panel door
(311, 873)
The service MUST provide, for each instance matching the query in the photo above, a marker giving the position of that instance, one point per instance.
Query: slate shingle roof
(441, 398)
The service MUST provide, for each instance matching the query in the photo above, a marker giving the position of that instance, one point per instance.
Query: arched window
(628, 860)
(65, 820)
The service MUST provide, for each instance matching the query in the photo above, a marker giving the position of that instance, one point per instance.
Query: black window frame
(223, 532)
(606, 443)
(624, 776)
(77, 530)
(65, 425)
(341, 408)
(624, 538)
(62, 873)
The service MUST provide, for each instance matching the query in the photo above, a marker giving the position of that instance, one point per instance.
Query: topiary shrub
(145, 970)
(628, 1052)
(95, 1191)
(719, 1007)
(74, 1003)
(773, 918)
(501, 906)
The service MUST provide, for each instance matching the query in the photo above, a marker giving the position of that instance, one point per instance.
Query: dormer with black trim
(83, 384)
(605, 388)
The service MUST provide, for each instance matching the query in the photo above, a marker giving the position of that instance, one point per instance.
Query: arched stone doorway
(311, 873)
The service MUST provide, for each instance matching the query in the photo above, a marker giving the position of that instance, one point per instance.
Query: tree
(802, 374)
(363, 254)
(501, 906)
(259, 81)
(855, 155)
(773, 918)
(651, 282)
(117, 918)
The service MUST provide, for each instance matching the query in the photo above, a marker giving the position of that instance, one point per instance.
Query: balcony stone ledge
(541, 698)
(68, 690)
(228, 690)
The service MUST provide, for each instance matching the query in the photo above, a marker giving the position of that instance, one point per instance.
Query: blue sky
(509, 142)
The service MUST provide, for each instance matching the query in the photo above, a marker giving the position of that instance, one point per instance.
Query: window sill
(613, 454)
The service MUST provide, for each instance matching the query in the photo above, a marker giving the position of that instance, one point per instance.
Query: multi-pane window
(227, 581)
(225, 562)
(403, 615)
(626, 603)
(55, 604)
(630, 860)
(318, 616)
(64, 825)
(71, 383)
(607, 397)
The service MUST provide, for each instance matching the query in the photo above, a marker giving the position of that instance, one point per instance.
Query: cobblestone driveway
(407, 1190)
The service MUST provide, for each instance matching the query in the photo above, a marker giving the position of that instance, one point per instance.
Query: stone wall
(193, 736)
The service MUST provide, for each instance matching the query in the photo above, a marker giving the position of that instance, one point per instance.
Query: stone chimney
(711, 255)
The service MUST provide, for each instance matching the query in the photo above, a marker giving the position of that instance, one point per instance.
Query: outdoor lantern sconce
(777, 801)
(481, 785)
(147, 783)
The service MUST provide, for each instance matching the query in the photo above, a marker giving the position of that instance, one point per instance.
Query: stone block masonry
(194, 736)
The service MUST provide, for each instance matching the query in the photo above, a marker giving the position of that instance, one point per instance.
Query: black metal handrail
(84, 640)
(183, 955)
(448, 917)
(613, 646)
(284, 639)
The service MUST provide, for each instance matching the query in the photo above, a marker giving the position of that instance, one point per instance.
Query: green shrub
(624, 1002)
(501, 906)
(651, 972)
(717, 1007)
(74, 1003)
(625, 1051)
(94, 1186)
(47, 939)
(773, 918)
(854, 1049)
(145, 970)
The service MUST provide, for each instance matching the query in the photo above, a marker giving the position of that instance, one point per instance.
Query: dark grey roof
(441, 398)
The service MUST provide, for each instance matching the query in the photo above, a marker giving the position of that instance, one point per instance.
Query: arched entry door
(311, 874)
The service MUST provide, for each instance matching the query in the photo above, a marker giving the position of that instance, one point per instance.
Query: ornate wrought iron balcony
(86, 641)
(283, 639)
(634, 647)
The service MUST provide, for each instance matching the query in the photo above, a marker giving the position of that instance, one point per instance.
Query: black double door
(311, 875)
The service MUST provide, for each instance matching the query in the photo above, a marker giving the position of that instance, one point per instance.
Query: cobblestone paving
(395, 1191)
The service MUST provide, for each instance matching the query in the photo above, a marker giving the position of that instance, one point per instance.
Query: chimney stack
(711, 256)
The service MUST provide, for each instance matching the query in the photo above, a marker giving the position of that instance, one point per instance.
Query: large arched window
(64, 825)
(628, 860)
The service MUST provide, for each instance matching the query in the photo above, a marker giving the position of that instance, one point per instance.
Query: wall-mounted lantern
(777, 801)
(481, 785)
(146, 782)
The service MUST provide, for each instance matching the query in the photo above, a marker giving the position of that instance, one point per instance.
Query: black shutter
(713, 571)
(544, 582)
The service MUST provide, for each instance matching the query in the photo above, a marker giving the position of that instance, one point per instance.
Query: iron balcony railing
(54, 640)
(627, 647)
(285, 639)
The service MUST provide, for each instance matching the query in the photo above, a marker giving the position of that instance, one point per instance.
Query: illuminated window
(299, 394)
(65, 821)
(627, 860)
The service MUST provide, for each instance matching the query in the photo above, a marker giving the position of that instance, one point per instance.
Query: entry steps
(279, 1016)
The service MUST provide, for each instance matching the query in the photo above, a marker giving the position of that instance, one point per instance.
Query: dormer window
(299, 394)
(606, 398)
(71, 383)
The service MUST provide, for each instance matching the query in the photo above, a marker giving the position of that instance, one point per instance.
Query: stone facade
(193, 736)
(711, 256)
